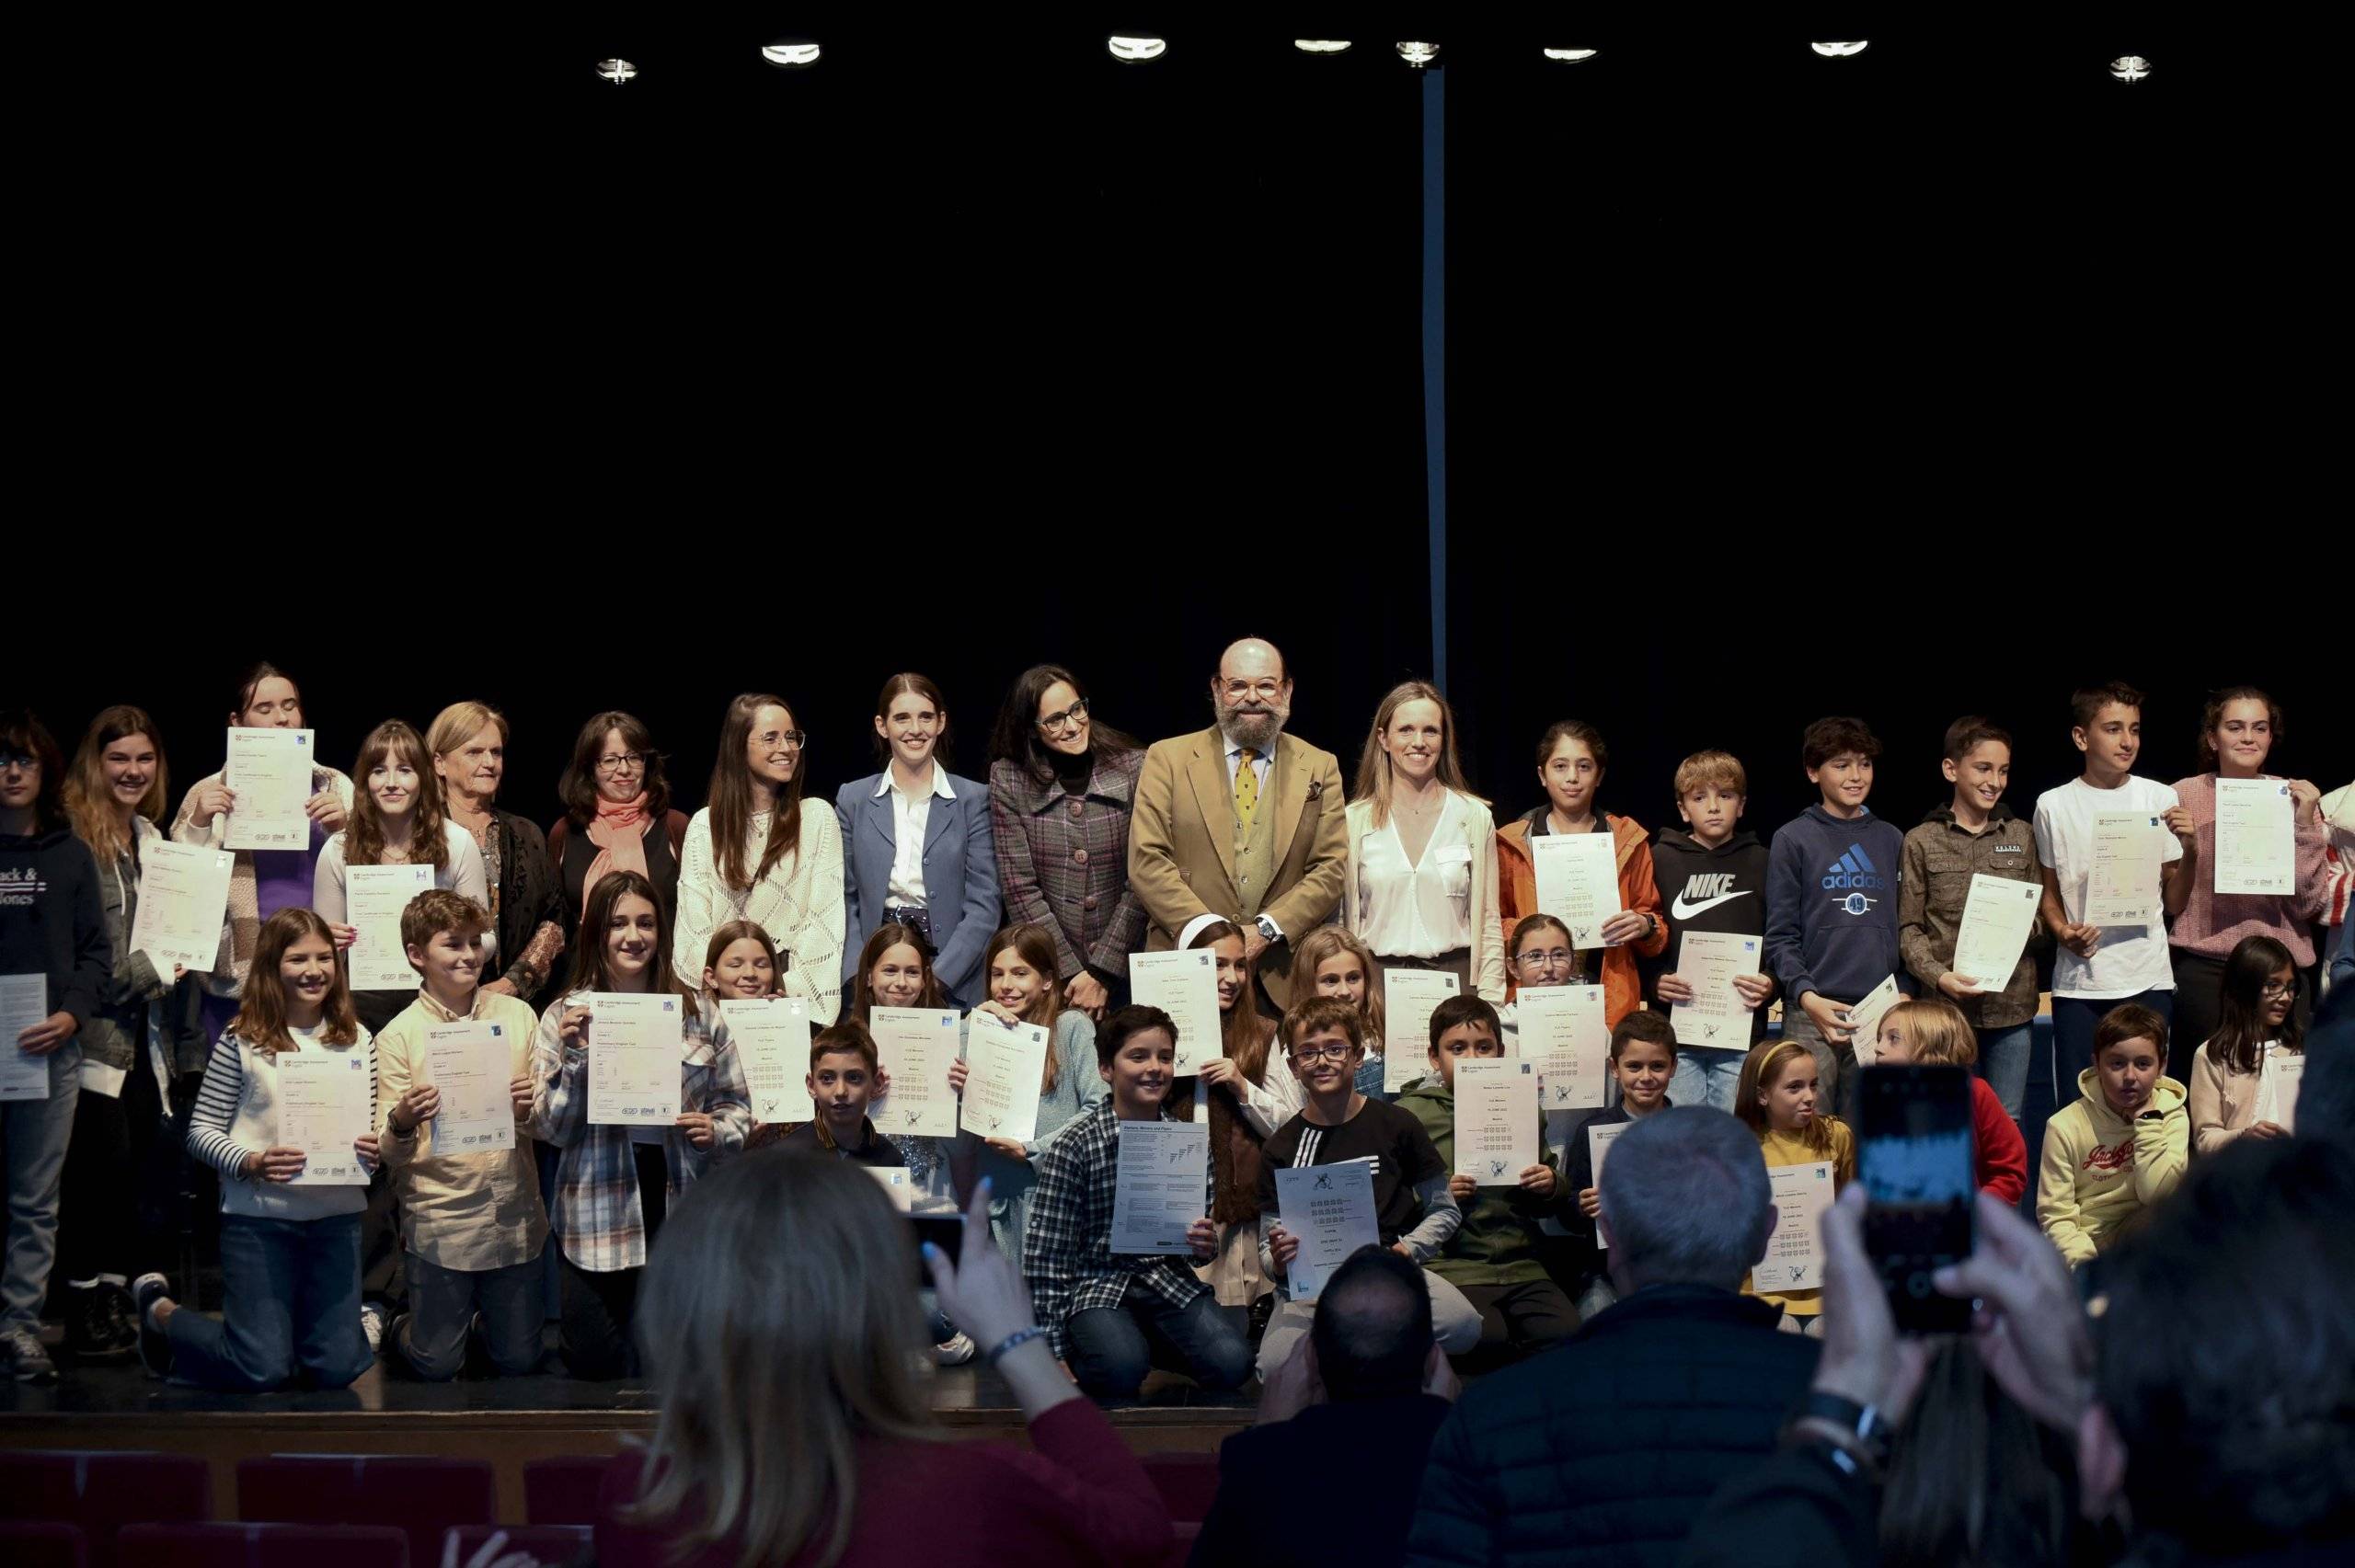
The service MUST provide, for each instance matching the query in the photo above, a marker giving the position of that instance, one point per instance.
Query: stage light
(1320, 45)
(790, 53)
(1572, 55)
(1838, 51)
(1134, 51)
(616, 71)
(1419, 53)
(2130, 68)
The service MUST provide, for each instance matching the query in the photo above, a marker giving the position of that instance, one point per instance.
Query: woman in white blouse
(754, 854)
(1421, 889)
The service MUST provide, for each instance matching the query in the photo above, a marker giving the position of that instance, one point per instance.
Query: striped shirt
(1067, 1246)
(236, 1117)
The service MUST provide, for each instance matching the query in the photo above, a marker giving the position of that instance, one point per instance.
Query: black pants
(2198, 1007)
(598, 1308)
(1520, 1319)
(119, 1203)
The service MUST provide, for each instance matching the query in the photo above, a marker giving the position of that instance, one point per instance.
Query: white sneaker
(954, 1351)
(374, 1321)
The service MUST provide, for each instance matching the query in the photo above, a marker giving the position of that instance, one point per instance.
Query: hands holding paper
(697, 1127)
(1626, 926)
(48, 1034)
(422, 1103)
(1754, 989)
(1960, 986)
(1203, 1236)
(1283, 1246)
(1829, 1015)
(280, 1163)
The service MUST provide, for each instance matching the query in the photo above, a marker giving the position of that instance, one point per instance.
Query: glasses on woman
(1538, 962)
(2274, 991)
(621, 762)
(1070, 718)
(785, 739)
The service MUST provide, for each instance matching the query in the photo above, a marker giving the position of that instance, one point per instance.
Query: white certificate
(1578, 882)
(24, 1002)
(896, 1185)
(2122, 886)
(1708, 961)
(1496, 1119)
(1004, 1066)
(635, 1041)
(1565, 1032)
(373, 897)
(1996, 920)
(1598, 1140)
(1330, 1208)
(326, 1102)
(2256, 837)
(1408, 998)
(915, 1046)
(1183, 984)
(772, 1040)
(269, 773)
(471, 1064)
(1794, 1259)
(183, 896)
(2277, 1087)
(1160, 1186)
(1863, 1020)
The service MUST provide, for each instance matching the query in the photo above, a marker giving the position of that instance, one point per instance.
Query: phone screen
(1915, 1159)
(945, 1232)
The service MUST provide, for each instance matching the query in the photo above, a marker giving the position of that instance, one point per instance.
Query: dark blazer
(1063, 863)
(1264, 1472)
(1602, 1450)
(528, 896)
(959, 877)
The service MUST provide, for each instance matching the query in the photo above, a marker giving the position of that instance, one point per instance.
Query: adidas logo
(1855, 868)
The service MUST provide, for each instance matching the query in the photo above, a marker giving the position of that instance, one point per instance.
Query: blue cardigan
(959, 877)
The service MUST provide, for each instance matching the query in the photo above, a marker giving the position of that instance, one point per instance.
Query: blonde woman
(469, 745)
(1422, 886)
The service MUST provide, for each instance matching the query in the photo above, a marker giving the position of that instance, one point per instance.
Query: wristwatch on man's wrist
(1270, 930)
(1863, 1421)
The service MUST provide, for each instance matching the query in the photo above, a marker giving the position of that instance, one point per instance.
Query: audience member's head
(1373, 1332)
(1686, 1200)
(1973, 1478)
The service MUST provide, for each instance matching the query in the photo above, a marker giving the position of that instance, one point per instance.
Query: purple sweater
(2213, 924)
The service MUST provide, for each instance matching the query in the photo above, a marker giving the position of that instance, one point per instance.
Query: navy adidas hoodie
(51, 920)
(1831, 906)
(1723, 889)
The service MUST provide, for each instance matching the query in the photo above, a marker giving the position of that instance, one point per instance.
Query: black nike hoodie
(1703, 889)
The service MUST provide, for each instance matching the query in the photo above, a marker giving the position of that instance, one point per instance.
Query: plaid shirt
(1067, 1249)
(595, 1213)
(1063, 863)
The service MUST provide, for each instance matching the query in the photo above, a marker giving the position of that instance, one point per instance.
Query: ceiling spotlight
(2130, 68)
(1132, 50)
(1570, 54)
(1419, 53)
(1838, 51)
(790, 53)
(1320, 45)
(616, 71)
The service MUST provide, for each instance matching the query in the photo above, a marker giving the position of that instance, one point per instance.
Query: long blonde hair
(1373, 762)
(1760, 1068)
(1308, 956)
(788, 1332)
(89, 805)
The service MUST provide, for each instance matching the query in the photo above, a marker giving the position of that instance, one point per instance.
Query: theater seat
(102, 1491)
(46, 1543)
(555, 1545)
(266, 1546)
(421, 1496)
(563, 1491)
(1187, 1484)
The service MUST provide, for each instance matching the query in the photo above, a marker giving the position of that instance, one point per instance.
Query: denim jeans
(2073, 1021)
(34, 1136)
(291, 1297)
(1111, 1348)
(2003, 1062)
(1707, 1076)
(442, 1303)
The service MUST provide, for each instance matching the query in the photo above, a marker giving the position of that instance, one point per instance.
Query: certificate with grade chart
(1599, 1140)
(1160, 1186)
(1408, 998)
(183, 897)
(915, 1046)
(269, 773)
(471, 1064)
(635, 1041)
(1578, 882)
(1564, 1030)
(1708, 962)
(1794, 1259)
(24, 1002)
(1496, 1119)
(1863, 1020)
(1330, 1208)
(1004, 1064)
(373, 897)
(772, 1040)
(1183, 984)
(2256, 837)
(2122, 885)
(326, 1101)
(1996, 920)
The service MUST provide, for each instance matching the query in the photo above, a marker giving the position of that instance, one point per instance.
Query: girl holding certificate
(1570, 762)
(1020, 970)
(2242, 1060)
(1782, 1094)
(469, 745)
(1421, 883)
(261, 882)
(617, 816)
(895, 970)
(753, 854)
(397, 820)
(2236, 736)
(290, 1249)
(615, 1184)
(1331, 961)
(1251, 1093)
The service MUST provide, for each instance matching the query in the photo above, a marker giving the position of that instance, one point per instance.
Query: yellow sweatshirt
(1790, 1149)
(2099, 1169)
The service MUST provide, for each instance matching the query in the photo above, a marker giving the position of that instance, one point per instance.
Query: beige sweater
(2224, 1103)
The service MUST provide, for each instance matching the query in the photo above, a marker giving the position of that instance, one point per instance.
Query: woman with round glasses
(1061, 788)
(617, 815)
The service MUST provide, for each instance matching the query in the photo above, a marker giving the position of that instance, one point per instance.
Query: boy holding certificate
(1973, 836)
(1711, 878)
(1492, 1257)
(1643, 1063)
(454, 1070)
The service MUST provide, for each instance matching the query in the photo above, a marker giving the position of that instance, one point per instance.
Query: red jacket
(1623, 988)
(1996, 1146)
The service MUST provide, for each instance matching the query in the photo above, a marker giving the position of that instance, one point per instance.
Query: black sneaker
(92, 1333)
(155, 1344)
(122, 1313)
(26, 1360)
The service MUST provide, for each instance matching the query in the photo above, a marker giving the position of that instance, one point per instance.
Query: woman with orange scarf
(617, 816)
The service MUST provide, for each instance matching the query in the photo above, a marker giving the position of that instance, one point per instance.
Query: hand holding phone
(1914, 1156)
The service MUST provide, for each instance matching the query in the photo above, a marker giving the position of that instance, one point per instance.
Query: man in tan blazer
(1267, 850)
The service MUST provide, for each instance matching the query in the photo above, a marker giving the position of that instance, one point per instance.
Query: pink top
(2213, 924)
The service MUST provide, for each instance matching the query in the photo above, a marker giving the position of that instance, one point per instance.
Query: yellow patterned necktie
(1246, 788)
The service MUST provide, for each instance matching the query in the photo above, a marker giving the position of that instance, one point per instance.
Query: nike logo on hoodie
(1707, 889)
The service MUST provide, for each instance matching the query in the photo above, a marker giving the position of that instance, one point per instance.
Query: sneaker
(89, 1333)
(21, 1353)
(393, 1336)
(155, 1344)
(373, 1322)
(122, 1312)
(954, 1351)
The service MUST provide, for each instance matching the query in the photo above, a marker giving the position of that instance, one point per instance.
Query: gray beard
(1258, 731)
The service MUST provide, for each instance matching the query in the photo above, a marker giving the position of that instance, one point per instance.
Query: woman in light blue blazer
(940, 876)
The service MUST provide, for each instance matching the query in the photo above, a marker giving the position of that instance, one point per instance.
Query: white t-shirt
(2130, 958)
